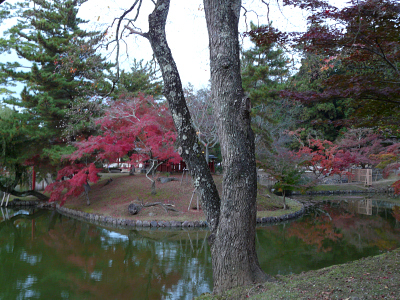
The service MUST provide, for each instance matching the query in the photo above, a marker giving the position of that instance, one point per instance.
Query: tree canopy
(19, 132)
(351, 54)
(61, 73)
(136, 128)
(358, 44)
(141, 78)
(58, 65)
(265, 70)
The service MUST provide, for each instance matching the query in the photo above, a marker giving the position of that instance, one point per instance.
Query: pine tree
(64, 81)
(142, 78)
(19, 132)
(265, 71)
(65, 71)
(322, 120)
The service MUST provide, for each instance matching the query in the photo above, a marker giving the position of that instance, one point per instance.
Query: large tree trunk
(232, 221)
(234, 255)
(189, 145)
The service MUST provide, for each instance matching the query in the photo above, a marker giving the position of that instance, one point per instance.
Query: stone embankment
(121, 222)
(283, 218)
(129, 223)
(107, 220)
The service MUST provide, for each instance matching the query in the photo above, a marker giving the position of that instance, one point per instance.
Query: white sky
(186, 31)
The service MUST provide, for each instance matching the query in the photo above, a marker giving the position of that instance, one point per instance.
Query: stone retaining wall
(119, 222)
(107, 220)
(283, 217)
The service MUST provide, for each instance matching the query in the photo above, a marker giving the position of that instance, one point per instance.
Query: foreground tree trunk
(234, 255)
(232, 220)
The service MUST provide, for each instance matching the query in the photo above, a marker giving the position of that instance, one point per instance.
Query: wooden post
(33, 178)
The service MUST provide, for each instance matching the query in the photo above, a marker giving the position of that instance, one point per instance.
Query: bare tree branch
(133, 31)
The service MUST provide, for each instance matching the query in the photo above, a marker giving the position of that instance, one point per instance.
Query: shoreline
(121, 222)
(133, 223)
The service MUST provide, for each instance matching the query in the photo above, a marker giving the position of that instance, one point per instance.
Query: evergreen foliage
(64, 69)
(265, 69)
(142, 78)
(19, 132)
(64, 83)
(322, 120)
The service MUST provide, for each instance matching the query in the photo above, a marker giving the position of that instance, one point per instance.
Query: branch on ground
(134, 208)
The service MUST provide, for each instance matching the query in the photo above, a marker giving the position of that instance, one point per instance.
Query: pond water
(44, 255)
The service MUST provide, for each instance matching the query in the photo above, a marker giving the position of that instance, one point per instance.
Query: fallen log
(134, 208)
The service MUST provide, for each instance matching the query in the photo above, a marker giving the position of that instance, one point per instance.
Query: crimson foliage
(138, 127)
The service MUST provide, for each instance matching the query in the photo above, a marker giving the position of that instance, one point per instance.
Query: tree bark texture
(232, 219)
(234, 256)
(190, 146)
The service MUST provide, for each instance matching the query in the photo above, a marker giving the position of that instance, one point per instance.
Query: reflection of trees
(64, 258)
(328, 235)
(357, 230)
(69, 257)
(136, 266)
(321, 232)
(362, 231)
(396, 215)
(16, 237)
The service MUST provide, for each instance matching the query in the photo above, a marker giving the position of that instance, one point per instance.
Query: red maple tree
(321, 155)
(363, 144)
(137, 127)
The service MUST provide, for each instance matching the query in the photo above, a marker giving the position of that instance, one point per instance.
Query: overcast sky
(186, 31)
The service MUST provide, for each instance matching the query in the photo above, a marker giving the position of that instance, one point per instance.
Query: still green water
(45, 255)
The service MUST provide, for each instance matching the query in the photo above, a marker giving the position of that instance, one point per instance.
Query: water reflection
(55, 257)
(365, 207)
(69, 259)
(333, 232)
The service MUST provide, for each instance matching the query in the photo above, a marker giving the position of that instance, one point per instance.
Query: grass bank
(356, 186)
(376, 277)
